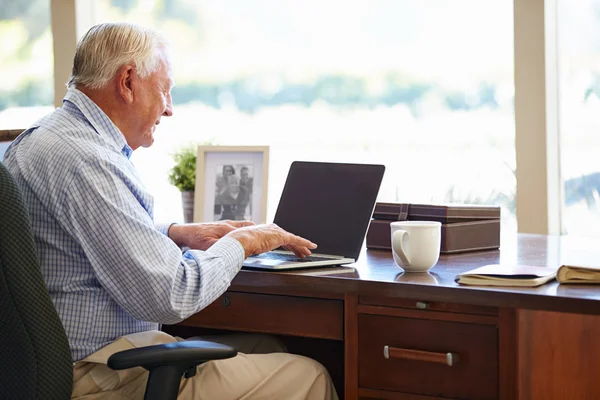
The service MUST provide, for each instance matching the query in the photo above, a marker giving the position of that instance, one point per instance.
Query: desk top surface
(375, 273)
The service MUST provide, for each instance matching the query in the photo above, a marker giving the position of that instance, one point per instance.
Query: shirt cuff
(164, 228)
(229, 249)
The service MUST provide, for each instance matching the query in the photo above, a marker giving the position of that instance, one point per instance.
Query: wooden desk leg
(507, 354)
(351, 346)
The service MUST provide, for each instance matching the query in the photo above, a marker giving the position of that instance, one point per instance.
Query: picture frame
(231, 183)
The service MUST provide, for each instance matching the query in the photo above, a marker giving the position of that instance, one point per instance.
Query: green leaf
(183, 173)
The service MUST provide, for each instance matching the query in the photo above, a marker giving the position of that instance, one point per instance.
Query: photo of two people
(233, 192)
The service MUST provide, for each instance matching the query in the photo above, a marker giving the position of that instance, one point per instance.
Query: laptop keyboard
(291, 257)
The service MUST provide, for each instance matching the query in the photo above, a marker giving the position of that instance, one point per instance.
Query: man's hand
(261, 238)
(200, 236)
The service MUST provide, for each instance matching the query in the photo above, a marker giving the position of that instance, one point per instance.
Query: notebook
(578, 274)
(507, 275)
(330, 204)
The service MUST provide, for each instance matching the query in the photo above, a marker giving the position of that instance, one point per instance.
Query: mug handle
(397, 239)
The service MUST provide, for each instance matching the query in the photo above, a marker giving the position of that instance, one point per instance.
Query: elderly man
(112, 274)
(234, 200)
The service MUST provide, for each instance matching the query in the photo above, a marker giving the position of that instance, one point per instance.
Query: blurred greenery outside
(252, 93)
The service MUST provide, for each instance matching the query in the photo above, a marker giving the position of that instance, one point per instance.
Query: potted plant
(183, 176)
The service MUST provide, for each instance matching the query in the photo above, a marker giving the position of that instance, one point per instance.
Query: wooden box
(464, 227)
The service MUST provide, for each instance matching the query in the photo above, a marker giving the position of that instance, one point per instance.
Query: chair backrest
(35, 360)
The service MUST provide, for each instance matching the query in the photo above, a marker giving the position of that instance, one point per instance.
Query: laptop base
(274, 264)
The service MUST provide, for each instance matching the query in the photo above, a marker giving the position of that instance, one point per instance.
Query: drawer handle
(225, 301)
(421, 305)
(450, 359)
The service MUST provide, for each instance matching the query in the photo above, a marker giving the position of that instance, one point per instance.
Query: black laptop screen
(330, 204)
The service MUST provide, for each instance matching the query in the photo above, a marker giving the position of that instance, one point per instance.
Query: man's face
(244, 175)
(233, 184)
(153, 101)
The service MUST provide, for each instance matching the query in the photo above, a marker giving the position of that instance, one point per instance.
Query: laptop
(330, 204)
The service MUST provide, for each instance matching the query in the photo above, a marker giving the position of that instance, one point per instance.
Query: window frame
(537, 136)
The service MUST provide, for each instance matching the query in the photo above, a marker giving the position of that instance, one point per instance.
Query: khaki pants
(276, 375)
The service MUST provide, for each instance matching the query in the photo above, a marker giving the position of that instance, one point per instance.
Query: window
(579, 102)
(3, 147)
(26, 90)
(425, 88)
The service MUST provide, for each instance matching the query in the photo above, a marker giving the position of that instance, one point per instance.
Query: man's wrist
(176, 234)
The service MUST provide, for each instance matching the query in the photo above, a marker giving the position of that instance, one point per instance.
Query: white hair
(107, 47)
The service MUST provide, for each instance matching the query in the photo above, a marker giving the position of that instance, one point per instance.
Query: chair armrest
(184, 354)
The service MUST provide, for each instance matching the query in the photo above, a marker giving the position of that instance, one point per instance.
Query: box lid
(446, 213)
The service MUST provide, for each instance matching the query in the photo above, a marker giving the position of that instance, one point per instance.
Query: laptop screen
(330, 204)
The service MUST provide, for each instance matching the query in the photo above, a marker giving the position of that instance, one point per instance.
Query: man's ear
(126, 80)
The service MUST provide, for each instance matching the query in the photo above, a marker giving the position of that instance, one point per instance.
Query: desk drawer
(427, 305)
(414, 360)
(283, 315)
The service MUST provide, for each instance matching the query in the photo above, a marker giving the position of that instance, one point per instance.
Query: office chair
(35, 359)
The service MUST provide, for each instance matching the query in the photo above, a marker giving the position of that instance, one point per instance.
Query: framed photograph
(231, 183)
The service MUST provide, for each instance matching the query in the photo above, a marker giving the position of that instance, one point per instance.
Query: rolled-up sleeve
(143, 270)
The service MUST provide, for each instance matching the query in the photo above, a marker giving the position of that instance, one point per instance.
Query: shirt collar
(97, 118)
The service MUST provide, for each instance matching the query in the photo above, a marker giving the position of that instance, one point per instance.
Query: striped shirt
(109, 270)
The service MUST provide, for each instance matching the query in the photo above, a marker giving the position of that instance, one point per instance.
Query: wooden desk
(526, 343)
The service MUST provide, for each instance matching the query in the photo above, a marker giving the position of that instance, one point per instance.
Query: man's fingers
(261, 238)
(302, 251)
(298, 241)
(239, 224)
(298, 251)
(300, 246)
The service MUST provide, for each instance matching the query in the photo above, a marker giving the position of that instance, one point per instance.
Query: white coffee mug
(416, 244)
